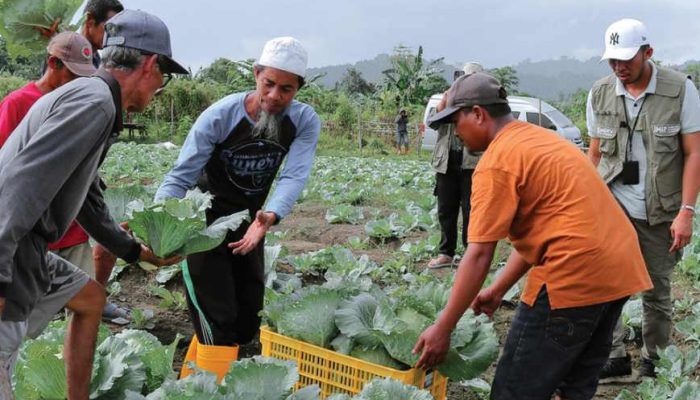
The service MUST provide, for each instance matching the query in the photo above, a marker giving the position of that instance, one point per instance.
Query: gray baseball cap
(478, 88)
(140, 30)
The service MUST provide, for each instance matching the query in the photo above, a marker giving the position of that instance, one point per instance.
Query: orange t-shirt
(542, 193)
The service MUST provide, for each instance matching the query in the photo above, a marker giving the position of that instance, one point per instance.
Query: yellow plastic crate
(338, 373)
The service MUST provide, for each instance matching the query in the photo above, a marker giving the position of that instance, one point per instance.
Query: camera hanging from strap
(630, 168)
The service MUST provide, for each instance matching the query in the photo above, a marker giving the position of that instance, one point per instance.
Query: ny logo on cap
(614, 38)
(111, 29)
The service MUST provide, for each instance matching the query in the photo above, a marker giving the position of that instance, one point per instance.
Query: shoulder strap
(116, 92)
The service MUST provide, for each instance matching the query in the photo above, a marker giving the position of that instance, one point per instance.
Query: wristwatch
(688, 207)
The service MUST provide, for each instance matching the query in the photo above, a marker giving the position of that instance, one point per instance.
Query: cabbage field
(344, 271)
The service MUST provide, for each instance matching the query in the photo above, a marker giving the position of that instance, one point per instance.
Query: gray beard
(268, 126)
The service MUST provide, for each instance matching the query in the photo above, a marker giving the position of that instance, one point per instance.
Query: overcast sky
(497, 33)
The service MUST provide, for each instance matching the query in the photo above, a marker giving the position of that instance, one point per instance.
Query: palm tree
(411, 77)
(508, 78)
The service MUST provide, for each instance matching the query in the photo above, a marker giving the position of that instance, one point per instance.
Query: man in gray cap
(58, 147)
(538, 190)
(234, 151)
(453, 165)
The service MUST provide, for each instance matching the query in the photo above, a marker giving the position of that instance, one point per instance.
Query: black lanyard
(631, 129)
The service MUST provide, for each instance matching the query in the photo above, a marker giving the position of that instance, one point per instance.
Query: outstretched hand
(433, 344)
(148, 256)
(255, 233)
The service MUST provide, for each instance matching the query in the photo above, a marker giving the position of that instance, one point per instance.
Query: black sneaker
(647, 368)
(616, 367)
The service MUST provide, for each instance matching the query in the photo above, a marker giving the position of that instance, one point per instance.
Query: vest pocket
(669, 187)
(666, 138)
(608, 140)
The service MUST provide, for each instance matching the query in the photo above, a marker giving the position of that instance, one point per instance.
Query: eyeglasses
(167, 77)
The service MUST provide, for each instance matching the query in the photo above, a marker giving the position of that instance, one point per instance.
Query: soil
(306, 230)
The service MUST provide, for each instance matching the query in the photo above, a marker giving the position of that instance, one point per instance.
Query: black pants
(560, 350)
(230, 291)
(453, 190)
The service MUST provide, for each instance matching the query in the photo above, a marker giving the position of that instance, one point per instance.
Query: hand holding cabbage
(178, 227)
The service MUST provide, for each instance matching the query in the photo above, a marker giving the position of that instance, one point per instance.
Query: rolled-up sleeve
(297, 167)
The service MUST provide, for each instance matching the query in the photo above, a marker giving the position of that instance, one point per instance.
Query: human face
(59, 73)
(470, 128)
(276, 88)
(94, 31)
(631, 71)
(150, 79)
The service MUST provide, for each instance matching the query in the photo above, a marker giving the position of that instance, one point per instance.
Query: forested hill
(548, 79)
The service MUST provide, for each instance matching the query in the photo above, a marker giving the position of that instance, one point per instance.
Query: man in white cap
(643, 120)
(454, 166)
(234, 151)
(58, 147)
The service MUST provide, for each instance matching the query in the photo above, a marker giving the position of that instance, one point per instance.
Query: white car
(527, 109)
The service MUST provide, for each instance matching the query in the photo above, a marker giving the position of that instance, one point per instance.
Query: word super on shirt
(222, 156)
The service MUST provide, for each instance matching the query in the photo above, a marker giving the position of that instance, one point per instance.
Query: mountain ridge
(554, 79)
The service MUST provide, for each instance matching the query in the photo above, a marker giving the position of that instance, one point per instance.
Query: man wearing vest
(234, 151)
(643, 121)
(454, 166)
(48, 178)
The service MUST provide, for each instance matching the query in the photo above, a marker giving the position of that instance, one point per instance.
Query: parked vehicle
(527, 109)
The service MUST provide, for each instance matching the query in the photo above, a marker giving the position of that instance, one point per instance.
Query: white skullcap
(286, 54)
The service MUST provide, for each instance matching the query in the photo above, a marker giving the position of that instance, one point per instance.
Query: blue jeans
(560, 351)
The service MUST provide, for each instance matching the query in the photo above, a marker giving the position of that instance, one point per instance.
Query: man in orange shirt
(539, 191)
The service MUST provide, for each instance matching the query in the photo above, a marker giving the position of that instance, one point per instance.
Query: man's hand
(487, 301)
(681, 230)
(434, 342)
(255, 233)
(148, 256)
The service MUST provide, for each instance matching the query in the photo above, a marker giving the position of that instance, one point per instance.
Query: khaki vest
(660, 125)
(441, 153)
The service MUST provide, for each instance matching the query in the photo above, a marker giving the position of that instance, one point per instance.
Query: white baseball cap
(623, 39)
(285, 53)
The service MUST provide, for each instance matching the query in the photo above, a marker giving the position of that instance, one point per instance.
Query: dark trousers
(229, 290)
(560, 350)
(453, 190)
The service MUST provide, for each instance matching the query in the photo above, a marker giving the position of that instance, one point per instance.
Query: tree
(508, 78)
(354, 83)
(411, 77)
(235, 75)
(25, 67)
(693, 72)
(28, 25)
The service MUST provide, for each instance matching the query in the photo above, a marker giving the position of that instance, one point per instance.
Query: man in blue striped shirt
(234, 151)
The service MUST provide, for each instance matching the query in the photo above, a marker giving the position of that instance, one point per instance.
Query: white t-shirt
(632, 197)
